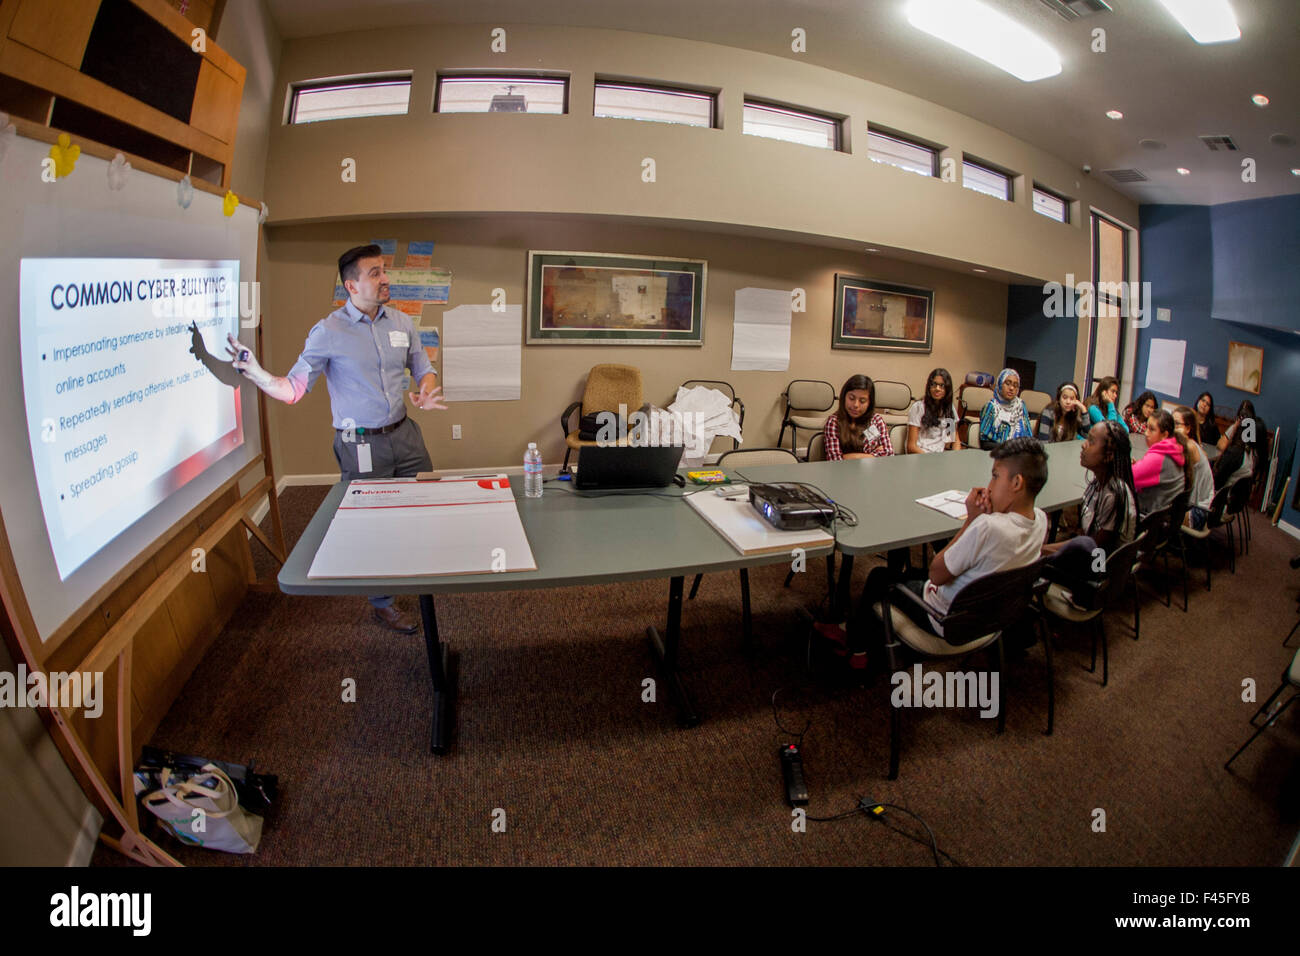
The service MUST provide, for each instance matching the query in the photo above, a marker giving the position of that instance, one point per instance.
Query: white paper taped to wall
(481, 353)
(1165, 366)
(760, 337)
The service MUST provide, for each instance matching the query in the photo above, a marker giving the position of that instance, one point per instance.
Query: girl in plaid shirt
(855, 430)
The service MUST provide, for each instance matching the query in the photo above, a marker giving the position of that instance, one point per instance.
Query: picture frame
(599, 298)
(882, 316)
(1245, 367)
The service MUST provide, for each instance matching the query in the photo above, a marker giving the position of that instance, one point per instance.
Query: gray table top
(574, 539)
(883, 491)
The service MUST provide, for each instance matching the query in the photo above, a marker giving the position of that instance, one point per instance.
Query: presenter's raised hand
(429, 397)
(243, 361)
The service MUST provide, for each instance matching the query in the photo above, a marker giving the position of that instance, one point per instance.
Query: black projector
(791, 507)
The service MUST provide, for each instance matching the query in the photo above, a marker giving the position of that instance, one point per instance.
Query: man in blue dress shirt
(364, 350)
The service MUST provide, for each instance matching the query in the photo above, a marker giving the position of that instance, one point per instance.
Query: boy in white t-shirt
(1003, 530)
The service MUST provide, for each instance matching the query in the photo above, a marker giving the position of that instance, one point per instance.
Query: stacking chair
(1155, 525)
(1291, 677)
(726, 389)
(1236, 515)
(806, 403)
(971, 400)
(817, 447)
(608, 387)
(748, 457)
(1215, 520)
(1172, 543)
(898, 438)
(1035, 402)
(893, 401)
(980, 613)
(1056, 601)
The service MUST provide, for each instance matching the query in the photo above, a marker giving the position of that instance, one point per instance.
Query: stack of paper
(400, 527)
(951, 503)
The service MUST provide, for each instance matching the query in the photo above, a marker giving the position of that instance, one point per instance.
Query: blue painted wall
(1050, 342)
(1184, 251)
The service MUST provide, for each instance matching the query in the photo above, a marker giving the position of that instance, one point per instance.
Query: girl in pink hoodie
(1161, 474)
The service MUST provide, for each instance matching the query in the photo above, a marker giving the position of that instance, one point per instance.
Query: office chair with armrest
(976, 620)
(726, 389)
(608, 387)
(804, 398)
(893, 401)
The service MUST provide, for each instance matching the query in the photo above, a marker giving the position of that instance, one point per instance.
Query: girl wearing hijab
(1065, 418)
(1005, 416)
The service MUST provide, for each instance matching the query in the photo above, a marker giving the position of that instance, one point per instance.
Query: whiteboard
(80, 216)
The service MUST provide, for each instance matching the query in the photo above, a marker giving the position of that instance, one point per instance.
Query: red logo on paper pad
(490, 483)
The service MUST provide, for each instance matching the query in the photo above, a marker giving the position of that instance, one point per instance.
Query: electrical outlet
(455, 431)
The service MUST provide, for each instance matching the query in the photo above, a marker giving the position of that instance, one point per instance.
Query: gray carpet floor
(554, 739)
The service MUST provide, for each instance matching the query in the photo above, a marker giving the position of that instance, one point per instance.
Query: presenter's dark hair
(1026, 458)
(348, 268)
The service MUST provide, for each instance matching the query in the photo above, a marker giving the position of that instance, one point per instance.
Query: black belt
(379, 431)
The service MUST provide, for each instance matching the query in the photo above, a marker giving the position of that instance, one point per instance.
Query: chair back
(1120, 564)
(1154, 526)
(893, 396)
(726, 389)
(898, 438)
(1177, 512)
(1035, 402)
(973, 399)
(1239, 495)
(1218, 507)
(609, 386)
(991, 603)
(752, 457)
(810, 395)
(817, 447)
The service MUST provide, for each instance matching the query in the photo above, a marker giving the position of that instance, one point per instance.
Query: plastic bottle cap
(532, 445)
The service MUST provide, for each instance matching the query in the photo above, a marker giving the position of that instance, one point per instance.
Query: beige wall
(486, 253)
(248, 34)
(423, 163)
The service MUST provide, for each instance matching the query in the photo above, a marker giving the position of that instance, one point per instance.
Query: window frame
(505, 77)
(346, 82)
(906, 141)
(989, 168)
(757, 102)
(1065, 203)
(657, 87)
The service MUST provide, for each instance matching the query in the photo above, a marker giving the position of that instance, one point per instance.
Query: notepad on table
(951, 503)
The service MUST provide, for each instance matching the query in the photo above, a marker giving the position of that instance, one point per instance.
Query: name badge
(870, 435)
(399, 340)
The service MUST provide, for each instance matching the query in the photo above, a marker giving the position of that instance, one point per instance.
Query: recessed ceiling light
(981, 270)
(1259, 99)
(1184, 171)
(1208, 21)
(873, 250)
(988, 34)
(1114, 114)
(1295, 171)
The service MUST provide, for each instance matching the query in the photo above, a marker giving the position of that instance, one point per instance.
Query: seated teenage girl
(1004, 417)
(932, 421)
(1101, 403)
(1138, 411)
(1202, 496)
(1240, 443)
(1205, 423)
(854, 430)
(1164, 470)
(1065, 418)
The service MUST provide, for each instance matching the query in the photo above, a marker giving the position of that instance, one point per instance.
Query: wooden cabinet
(123, 73)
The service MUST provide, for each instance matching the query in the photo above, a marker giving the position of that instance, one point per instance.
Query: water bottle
(532, 471)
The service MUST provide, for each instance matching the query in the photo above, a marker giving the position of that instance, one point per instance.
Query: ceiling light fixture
(1295, 171)
(1259, 99)
(1184, 171)
(1208, 21)
(988, 34)
(981, 270)
(1114, 114)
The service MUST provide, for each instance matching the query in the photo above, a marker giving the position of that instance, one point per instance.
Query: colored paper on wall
(419, 255)
(429, 340)
(389, 249)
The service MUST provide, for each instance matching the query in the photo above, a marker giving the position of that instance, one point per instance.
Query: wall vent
(1072, 10)
(1216, 143)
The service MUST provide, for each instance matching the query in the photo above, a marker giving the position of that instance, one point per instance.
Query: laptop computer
(627, 466)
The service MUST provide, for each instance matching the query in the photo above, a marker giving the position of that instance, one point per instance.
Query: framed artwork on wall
(880, 315)
(1245, 367)
(595, 298)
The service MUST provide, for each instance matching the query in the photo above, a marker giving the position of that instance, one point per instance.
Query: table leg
(747, 622)
(444, 690)
(665, 652)
(843, 599)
